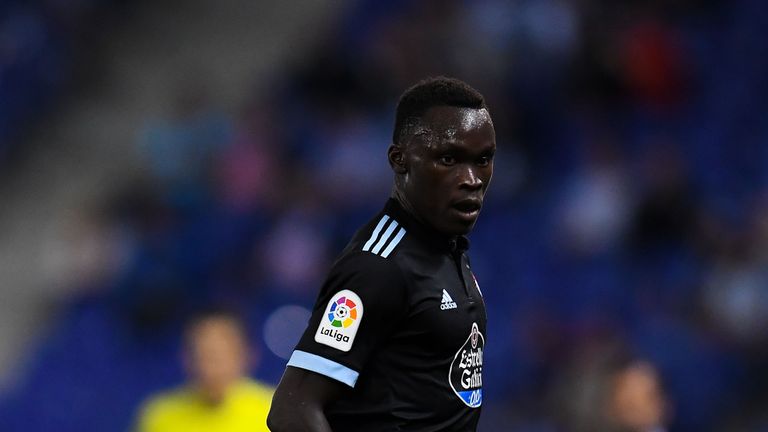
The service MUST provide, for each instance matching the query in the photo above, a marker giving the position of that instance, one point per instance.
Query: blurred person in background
(611, 392)
(219, 397)
(397, 335)
(637, 402)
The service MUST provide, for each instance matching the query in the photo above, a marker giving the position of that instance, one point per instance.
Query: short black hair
(431, 92)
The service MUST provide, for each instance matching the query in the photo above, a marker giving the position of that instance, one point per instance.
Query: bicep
(303, 386)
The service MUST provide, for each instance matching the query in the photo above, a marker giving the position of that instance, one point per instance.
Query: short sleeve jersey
(401, 321)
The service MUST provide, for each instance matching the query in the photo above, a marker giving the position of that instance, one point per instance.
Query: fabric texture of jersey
(244, 409)
(412, 356)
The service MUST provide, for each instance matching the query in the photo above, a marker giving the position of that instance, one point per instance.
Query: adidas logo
(447, 302)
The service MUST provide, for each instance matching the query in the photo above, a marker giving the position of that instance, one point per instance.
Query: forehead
(449, 122)
(214, 328)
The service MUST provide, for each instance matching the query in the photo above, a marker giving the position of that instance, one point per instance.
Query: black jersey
(401, 321)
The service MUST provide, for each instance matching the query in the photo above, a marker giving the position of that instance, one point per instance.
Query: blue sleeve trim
(323, 366)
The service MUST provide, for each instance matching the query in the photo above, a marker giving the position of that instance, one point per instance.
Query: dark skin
(442, 171)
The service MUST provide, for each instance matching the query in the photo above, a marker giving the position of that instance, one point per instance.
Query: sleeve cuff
(323, 366)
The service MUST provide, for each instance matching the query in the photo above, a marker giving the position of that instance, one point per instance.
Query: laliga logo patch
(466, 372)
(342, 318)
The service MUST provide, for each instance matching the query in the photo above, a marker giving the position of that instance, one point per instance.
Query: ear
(396, 157)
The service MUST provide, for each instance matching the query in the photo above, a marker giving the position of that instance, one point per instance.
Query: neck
(405, 203)
(399, 196)
(210, 396)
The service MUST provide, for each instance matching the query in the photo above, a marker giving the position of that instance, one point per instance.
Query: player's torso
(428, 374)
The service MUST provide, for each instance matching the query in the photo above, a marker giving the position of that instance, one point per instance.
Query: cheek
(486, 175)
(436, 180)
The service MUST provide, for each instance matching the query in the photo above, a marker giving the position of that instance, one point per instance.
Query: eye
(447, 160)
(484, 161)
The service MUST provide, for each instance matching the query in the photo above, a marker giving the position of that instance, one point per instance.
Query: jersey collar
(425, 233)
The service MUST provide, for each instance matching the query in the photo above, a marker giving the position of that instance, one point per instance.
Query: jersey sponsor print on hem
(341, 320)
(466, 372)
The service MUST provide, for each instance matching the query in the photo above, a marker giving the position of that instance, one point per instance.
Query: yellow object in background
(244, 408)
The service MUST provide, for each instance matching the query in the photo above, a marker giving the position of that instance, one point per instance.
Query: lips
(468, 205)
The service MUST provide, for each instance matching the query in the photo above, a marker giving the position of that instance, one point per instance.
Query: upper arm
(361, 298)
(298, 402)
(304, 387)
(356, 309)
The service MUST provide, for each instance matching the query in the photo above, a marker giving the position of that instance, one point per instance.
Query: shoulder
(164, 407)
(169, 398)
(369, 275)
(360, 263)
(375, 247)
(372, 265)
(381, 237)
(364, 279)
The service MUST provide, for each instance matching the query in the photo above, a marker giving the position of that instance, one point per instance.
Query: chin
(460, 228)
(451, 225)
(465, 231)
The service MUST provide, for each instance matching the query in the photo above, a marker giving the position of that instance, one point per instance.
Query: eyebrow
(445, 145)
(421, 130)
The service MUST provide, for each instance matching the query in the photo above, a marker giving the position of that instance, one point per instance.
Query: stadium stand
(628, 208)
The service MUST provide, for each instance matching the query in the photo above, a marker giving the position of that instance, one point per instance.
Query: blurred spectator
(249, 168)
(735, 293)
(666, 215)
(91, 250)
(219, 396)
(612, 392)
(598, 200)
(654, 63)
(295, 251)
(637, 401)
(180, 149)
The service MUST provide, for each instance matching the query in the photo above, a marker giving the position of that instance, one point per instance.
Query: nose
(468, 179)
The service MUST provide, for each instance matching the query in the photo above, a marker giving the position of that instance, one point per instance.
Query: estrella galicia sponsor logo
(339, 324)
(466, 372)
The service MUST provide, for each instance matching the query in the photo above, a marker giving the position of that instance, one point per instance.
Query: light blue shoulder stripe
(384, 237)
(323, 366)
(393, 243)
(376, 232)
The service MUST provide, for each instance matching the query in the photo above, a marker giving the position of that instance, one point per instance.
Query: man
(396, 339)
(610, 390)
(220, 397)
(636, 400)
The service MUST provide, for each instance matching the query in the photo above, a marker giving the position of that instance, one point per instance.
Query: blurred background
(159, 156)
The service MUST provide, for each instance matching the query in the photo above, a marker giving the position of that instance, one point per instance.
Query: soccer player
(220, 398)
(396, 339)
